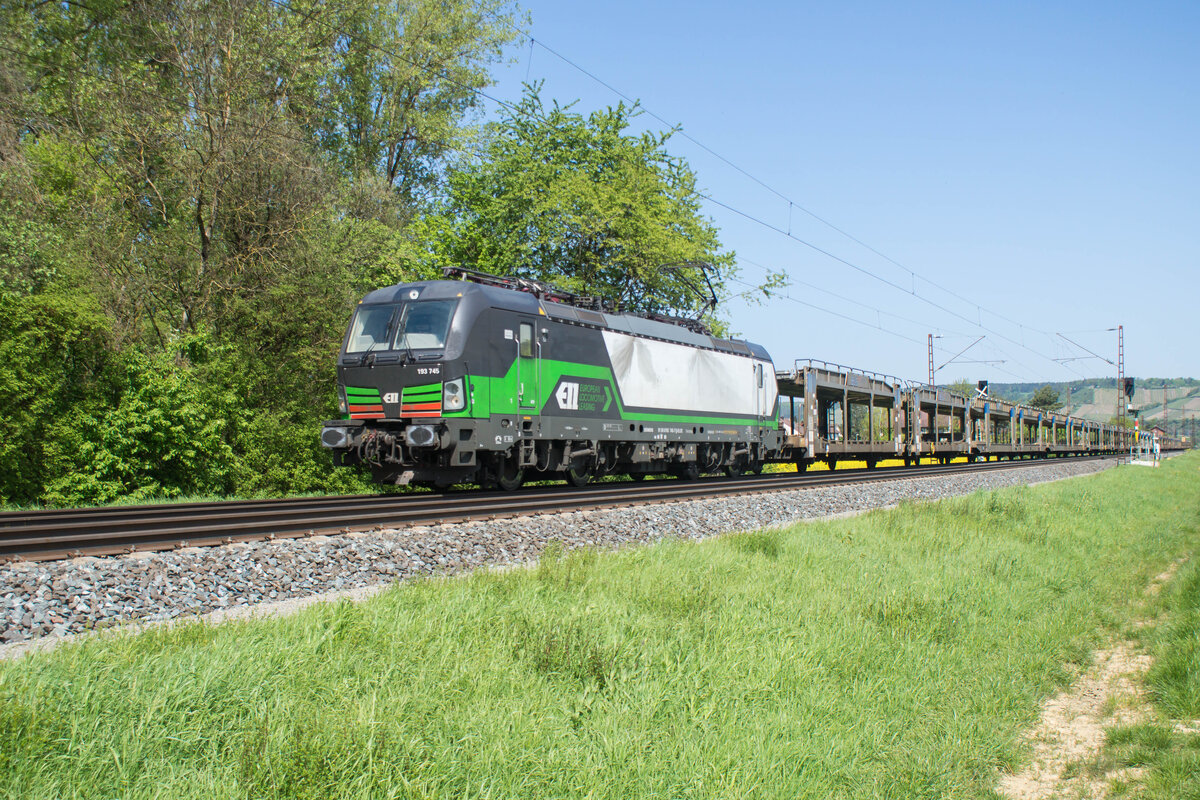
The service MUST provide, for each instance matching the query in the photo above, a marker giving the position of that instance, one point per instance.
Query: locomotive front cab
(402, 384)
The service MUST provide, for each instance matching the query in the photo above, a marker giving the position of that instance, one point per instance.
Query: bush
(164, 437)
(55, 365)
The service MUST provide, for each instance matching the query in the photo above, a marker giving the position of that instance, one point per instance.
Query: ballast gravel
(60, 598)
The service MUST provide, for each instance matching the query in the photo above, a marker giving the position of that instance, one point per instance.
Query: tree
(1045, 399)
(231, 172)
(405, 74)
(582, 202)
(200, 142)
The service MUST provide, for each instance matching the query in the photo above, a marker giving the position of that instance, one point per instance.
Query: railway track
(57, 534)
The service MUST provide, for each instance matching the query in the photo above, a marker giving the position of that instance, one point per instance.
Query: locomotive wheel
(801, 465)
(756, 467)
(689, 471)
(510, 475)
(578, 477)
(733, 470)
(637, 476)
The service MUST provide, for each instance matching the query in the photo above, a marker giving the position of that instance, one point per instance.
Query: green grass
(897, 654)
(1170, 756)
(1175, 678)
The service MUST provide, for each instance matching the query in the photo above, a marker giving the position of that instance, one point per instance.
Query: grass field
(1166, 745)
(897, 654)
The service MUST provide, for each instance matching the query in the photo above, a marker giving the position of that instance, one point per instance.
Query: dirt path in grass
(1070, 730)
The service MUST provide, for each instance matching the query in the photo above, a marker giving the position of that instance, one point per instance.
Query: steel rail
(56, 534)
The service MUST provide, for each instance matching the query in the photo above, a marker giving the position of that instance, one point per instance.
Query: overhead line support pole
(1121, 400)
(933, 417)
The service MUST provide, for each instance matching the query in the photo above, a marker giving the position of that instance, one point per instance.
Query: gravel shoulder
(44, 603)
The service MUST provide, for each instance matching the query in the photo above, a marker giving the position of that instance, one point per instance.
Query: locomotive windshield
(370, 328)
(406, 326)
(424, 324)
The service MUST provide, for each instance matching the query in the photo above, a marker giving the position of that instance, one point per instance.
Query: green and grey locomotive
(492, 380)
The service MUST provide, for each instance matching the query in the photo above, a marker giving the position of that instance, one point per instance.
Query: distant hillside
(1096, 398)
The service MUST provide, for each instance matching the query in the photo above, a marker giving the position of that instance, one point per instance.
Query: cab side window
(526, 340)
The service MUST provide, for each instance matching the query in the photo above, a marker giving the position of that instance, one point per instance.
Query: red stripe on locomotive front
(422, 406)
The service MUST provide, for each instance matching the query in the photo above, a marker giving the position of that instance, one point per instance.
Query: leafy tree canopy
(1046, 399)
(200, 149)
(963, 387)
(585, 203)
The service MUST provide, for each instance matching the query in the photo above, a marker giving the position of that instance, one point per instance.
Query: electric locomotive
(492, 380)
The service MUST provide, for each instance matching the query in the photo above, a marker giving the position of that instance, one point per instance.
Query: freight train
(488, 380)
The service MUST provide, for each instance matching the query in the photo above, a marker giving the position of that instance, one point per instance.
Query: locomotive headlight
(342, 407)
(453, 398)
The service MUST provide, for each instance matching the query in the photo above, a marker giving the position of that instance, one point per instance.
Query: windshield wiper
(401, 334)
(366, 359)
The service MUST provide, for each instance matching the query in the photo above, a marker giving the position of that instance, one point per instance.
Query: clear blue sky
(1041, 160)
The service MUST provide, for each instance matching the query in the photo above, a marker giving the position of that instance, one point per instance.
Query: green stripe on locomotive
(488, 396)
(429, 393)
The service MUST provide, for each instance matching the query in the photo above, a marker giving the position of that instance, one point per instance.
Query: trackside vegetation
(896, 654)
(1165, 746)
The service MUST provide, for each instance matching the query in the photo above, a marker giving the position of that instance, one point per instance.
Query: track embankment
(64, 597)
(70, 533)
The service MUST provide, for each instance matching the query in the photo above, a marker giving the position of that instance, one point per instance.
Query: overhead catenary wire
(959, 353)
(1093, 354)
(848, 263)
(923, 324)
(838, 314)
(792, 202)
(733, 209)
